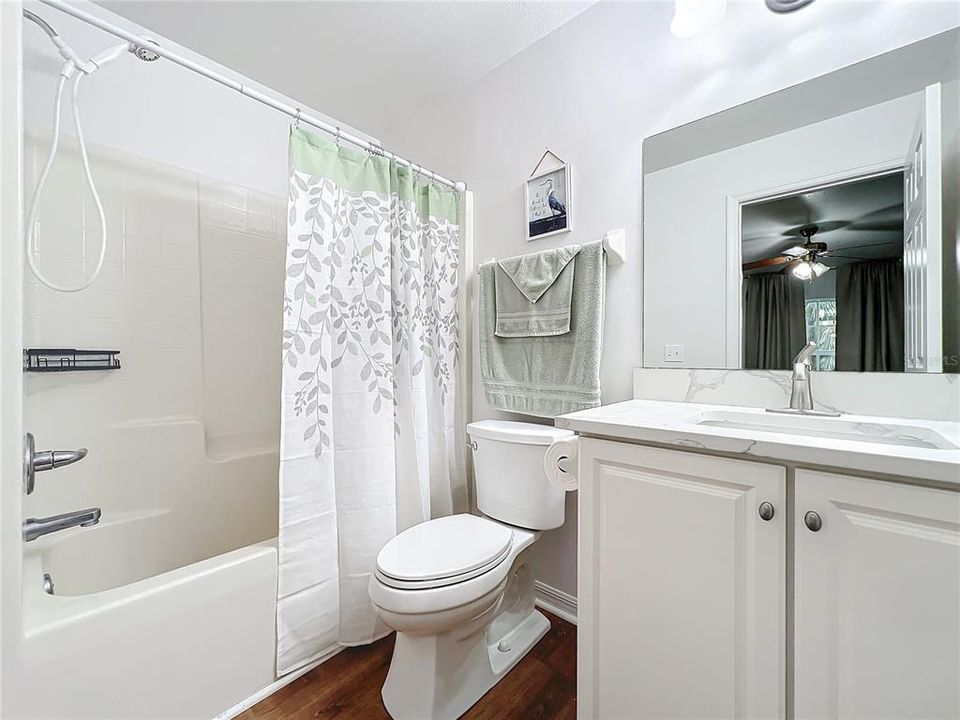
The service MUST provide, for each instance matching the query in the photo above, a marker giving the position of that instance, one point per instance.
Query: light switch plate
(673, 353)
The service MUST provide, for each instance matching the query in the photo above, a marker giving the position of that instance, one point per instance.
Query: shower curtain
(370, 355)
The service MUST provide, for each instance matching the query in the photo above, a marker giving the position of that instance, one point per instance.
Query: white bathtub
(163, 612)
(134, 632)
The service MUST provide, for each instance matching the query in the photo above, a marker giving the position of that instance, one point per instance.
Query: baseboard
(276, 685)
(556, 601)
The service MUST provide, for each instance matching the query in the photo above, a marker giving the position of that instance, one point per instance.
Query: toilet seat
(443, 552)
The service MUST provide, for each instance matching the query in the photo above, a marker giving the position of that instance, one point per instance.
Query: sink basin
(894, 433)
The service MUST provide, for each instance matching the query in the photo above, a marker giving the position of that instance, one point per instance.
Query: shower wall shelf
(69, 360)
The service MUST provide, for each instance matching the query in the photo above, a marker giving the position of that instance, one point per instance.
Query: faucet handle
(803, 357)
(34, 462)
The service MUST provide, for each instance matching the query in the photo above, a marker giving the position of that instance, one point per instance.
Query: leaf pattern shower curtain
(370, 354)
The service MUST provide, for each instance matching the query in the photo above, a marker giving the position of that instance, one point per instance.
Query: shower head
(144, 53)
(117, 51)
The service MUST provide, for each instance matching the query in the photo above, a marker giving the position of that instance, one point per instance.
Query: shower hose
(77, 71)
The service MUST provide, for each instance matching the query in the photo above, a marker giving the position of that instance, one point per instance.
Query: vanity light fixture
(692, 17)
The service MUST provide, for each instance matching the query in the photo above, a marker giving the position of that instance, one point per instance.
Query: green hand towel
(533, 293)
(552, 375)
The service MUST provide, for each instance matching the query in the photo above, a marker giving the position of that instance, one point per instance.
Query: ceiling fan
(803, 260)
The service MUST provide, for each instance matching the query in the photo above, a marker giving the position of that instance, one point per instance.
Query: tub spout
(38, 527)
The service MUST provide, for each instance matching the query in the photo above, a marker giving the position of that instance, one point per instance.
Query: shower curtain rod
(293, 112)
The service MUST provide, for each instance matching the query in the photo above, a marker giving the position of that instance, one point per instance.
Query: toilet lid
(444, 549)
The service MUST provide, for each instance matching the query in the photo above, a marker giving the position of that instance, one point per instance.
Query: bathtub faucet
(38, 527)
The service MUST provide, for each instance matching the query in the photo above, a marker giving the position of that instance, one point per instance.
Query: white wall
(160, 110)
(685, 221)
(591, 91)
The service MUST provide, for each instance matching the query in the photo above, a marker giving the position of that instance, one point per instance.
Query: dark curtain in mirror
(870, 316)
(774, 328)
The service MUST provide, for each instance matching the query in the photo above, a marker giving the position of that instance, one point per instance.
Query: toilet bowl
(458, 590)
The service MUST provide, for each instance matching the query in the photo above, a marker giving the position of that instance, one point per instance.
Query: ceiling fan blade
(876, 227)
(858, 247)
(796, 251)
(854, 257)
(767, 262)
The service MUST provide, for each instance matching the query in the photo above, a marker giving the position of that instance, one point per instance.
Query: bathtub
(139, 627)
(167, 608)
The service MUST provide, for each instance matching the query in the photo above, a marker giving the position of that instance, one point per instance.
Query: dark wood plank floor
(542, 686)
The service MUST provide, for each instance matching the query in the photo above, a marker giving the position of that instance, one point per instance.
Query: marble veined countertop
(887, 445)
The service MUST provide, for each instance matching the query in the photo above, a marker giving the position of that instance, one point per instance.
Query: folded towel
(533, 293)
(553, 375)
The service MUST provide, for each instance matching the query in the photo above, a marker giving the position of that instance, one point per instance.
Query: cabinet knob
(813, 521)
(766, 511)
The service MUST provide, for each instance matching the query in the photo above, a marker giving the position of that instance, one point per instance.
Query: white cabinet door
(922, 293)
(877, 600)
(681, 585)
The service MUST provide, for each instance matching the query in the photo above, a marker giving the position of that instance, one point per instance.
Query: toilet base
(439, 677)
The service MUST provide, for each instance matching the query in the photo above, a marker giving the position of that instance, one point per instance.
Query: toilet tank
(508, 467)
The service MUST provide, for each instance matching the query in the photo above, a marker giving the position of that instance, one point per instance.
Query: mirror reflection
(837, 282)
(824, 213)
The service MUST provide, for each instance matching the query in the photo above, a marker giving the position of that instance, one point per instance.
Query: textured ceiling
(359, 62)
(858, 220)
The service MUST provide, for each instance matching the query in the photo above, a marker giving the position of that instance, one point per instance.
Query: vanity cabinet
(876, 598)
(682, 585)
(686, 609)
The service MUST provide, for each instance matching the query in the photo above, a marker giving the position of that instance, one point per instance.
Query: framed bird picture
(548, 198)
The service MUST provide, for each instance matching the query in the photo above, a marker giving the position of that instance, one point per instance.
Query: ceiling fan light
(819, 268)
(803, 270)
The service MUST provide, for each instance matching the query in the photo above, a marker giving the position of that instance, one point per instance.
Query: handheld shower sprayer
(72, 63)
(109, 55)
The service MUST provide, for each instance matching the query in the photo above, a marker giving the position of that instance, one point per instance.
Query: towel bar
(614, 247)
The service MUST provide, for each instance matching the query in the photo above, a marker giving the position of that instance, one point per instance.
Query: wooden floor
(543, 686)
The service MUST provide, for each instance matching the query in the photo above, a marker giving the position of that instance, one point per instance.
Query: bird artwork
(547, 199)
(557, 207)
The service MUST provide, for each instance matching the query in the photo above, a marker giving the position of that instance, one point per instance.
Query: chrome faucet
(801, 396)
(38, 527)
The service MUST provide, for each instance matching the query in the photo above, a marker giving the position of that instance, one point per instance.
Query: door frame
(11, 352)
(733, 248)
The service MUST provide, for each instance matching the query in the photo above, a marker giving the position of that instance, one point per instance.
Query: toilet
(458, 590)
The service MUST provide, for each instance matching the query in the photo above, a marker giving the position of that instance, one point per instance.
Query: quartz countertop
(880, 451)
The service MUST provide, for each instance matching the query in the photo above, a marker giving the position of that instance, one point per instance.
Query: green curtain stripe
(356, 170)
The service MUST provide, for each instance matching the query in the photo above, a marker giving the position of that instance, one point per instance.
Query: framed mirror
(824, 212)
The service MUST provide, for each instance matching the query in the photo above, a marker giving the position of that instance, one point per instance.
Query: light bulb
(819, 268)
(692, 17)
(803, 270)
